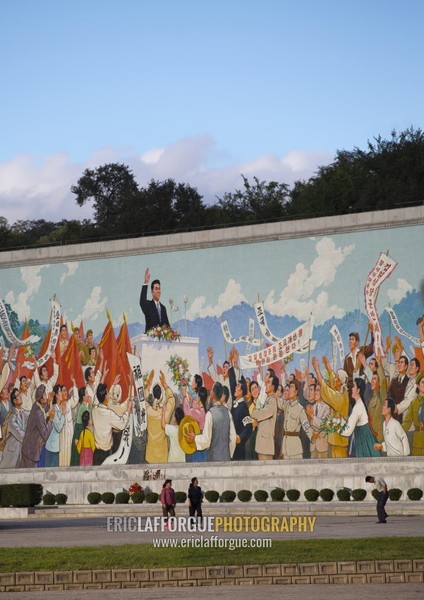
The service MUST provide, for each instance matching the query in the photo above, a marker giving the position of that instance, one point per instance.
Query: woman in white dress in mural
(358, 423)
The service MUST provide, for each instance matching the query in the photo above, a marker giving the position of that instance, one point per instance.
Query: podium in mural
(162, 355)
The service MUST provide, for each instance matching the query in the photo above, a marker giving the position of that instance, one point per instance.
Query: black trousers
(196, 508)
(381, 503)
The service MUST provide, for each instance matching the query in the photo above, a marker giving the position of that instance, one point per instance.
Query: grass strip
(140, 556)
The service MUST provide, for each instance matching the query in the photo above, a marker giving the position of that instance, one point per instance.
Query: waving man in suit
(154, 311)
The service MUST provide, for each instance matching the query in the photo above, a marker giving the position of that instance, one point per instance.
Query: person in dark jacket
(195, 497)
(242, 419)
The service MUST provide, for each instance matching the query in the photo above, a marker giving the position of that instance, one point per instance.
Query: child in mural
(85, 405)
(85, 445)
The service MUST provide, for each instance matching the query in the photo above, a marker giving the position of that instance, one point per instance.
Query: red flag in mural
(113, 361)
(71, 365)
(124, 344)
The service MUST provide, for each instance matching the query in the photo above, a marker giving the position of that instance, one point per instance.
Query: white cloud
(94, 306)
(72, 268)
(298, 299)
(32, 189)
(398, 293)
(232, 296)
(32, 280)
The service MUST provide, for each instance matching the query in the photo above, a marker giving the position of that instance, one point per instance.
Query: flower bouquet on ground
(164, 333)
(135, 488)
(179, 370)
(335, 424)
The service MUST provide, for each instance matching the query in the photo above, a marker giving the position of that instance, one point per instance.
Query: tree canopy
(387, 174)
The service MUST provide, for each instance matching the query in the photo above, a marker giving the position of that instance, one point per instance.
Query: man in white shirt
(382, 496)
(395, 439)
(104, 420)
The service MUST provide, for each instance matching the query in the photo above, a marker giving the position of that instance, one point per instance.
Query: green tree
(389, 173)
(258, 201)
(165, 206)
(112, 189)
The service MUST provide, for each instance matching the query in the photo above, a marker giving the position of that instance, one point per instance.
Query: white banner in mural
(243, 338)
(338, 342)
(265, 330)
(299, 339)
(139, 403)
(54, 334)
(399, 329)
(382, 270)
(8, 331)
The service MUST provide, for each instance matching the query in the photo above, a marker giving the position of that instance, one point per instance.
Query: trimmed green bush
(21, 495)
(311, 495)
(49, 499)
(359, 494)
(277, 494)
(228, 496)
(152, 498)
(414, 494)
(122, 498)
(343, 494)
(244, 495)
(326, 494)
(181, 497)
(293, 495)
(261, 496)
(108, 497)
(94, 497)
(395, 494)
(137, 497)
(374, 494)
(61, 498)
(212, 496)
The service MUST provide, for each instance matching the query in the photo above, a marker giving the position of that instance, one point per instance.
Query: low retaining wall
(78, 482)
(347, 572)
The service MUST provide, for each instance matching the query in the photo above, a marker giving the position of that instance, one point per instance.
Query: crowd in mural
(73, 407)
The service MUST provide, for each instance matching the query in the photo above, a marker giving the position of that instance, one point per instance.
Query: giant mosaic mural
(306, 348)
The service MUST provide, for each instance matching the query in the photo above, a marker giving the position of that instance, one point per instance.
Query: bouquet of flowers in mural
(288, 359)
(179, 370)
(164, 333)
(333, 425)
(135, 488)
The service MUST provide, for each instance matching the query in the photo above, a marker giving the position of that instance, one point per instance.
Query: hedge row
(311, 495)
(31, 494)
(21, 495)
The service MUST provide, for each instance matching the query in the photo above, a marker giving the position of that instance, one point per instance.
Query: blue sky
(197, 91)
